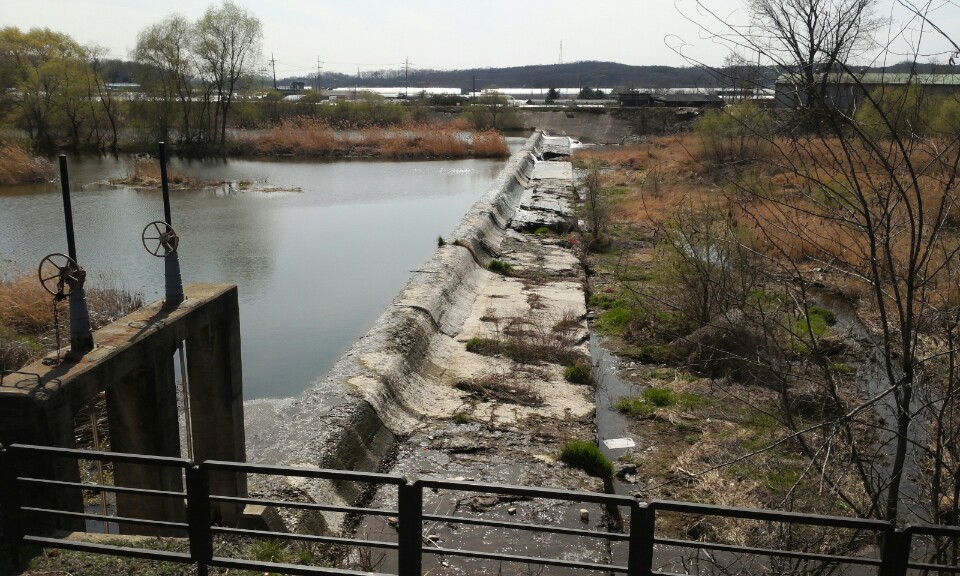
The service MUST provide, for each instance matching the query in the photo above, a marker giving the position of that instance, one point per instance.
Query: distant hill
(575, 74)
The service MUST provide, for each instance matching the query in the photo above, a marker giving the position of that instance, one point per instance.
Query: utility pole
(273, 64)
(318, 75)
(406, 76)
(561, 52)
(474, 86)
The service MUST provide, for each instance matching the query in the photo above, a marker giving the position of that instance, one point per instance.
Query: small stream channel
(612, 426)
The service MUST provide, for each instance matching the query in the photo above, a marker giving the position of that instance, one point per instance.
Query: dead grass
(796, 230)
(18, 166)
(501, 388)
(145, 173)
(27, 329)
(312, 138)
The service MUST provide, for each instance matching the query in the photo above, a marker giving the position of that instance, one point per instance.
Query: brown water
(314, 267)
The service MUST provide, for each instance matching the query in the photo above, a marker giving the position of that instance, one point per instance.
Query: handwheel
(60, 274)
(159, 238)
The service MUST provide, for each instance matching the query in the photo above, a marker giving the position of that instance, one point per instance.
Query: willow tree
(167, 69)
(46, 74)
(227, 45)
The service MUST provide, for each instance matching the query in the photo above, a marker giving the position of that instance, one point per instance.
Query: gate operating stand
(161, 240)
(63, 277)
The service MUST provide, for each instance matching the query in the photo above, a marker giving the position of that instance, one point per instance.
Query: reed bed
(305, 137)
(18, 166)
(28, 322)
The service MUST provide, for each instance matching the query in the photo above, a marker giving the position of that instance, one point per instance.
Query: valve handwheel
(159, 238)
(60, 275)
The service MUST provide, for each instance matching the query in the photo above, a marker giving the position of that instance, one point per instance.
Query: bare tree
(868, 209)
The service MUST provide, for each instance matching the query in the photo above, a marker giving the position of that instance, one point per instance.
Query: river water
(317, 249)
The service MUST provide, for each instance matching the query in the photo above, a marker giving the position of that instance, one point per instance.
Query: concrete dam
(411, 397)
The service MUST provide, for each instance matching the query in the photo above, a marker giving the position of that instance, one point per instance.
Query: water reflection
(314, 268)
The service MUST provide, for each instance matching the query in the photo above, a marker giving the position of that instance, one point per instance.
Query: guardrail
(636, 546)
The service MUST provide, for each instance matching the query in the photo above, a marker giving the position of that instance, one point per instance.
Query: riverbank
(308, 138)
(19, 166)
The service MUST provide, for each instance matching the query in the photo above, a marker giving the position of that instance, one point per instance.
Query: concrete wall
(133, 363)
(587, 125)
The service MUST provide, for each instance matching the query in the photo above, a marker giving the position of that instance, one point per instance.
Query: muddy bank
(410, 389)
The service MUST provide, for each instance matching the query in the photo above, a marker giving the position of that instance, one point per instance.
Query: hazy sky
(380, 34)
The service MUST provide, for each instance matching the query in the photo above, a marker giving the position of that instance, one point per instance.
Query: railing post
(410, 508)
(640, 560)
(895, 553)
(10, 505)
(198, 517)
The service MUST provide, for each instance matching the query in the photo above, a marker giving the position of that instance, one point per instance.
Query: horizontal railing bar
(829, 558)
(933, 567)
(160, 555)
(306, 537)
(98, 455)
(550, 493)
(770, 515)
(526, 559)
(221, 562)
(529, 527)
(323, 473)
(102, 518)
(103, 487)
(305, 506)
(933, 530)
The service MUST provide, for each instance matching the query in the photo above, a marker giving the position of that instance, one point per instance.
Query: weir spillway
(412, 382)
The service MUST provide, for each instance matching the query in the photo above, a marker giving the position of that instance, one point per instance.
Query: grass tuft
(500, 267)
(587, 457)
(578, 373)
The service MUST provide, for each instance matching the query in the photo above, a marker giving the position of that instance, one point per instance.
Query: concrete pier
(133, 364)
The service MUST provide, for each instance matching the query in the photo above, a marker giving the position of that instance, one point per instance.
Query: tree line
(58, 91)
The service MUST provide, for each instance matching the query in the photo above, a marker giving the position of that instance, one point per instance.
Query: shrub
(735, 133)
(461, 418)
(587, 457)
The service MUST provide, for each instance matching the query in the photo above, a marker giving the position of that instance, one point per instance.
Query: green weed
(500, 267)
(578, 374)
(587, 457)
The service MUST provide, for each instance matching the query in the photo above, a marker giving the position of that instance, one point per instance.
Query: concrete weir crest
(403, 373)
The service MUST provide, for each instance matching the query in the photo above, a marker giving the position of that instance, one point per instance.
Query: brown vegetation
(146, 174)
(18, 166)
(29, 321)
(730, 450)
(312, 138)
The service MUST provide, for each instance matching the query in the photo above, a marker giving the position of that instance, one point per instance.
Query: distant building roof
(879, 78)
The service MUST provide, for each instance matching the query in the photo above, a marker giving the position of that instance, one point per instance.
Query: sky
(382, 34)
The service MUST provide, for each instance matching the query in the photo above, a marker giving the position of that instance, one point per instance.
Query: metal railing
(637, 544)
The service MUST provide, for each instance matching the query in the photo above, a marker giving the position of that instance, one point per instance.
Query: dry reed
(27, 328)
(18, 166)
(313, 138)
